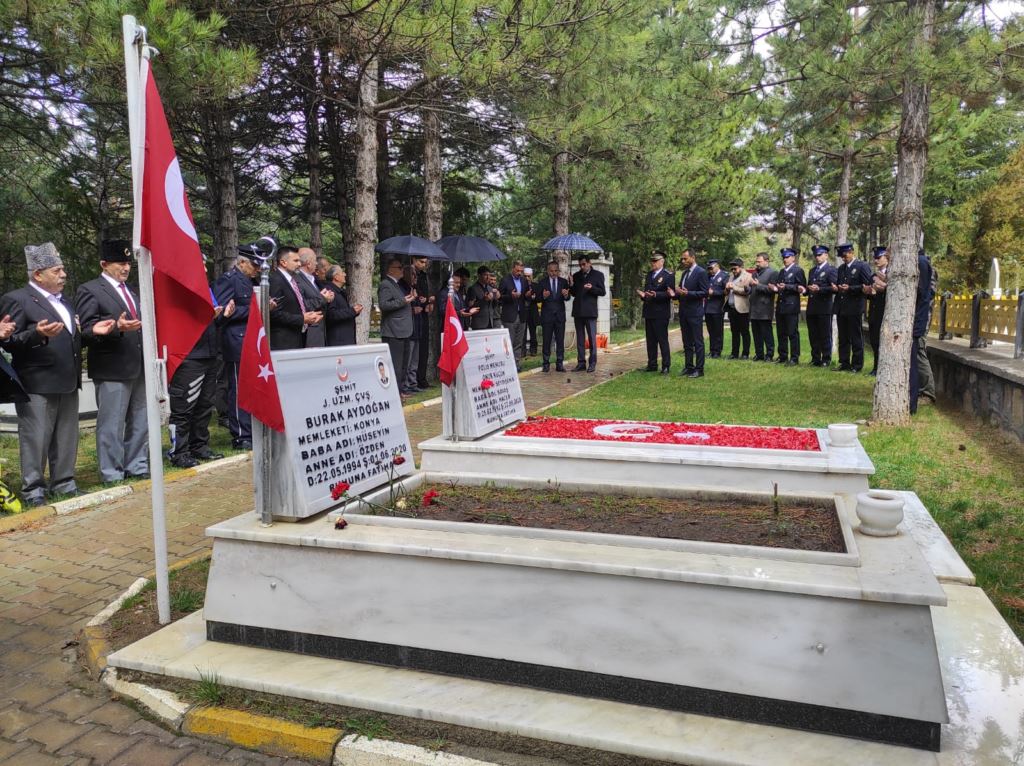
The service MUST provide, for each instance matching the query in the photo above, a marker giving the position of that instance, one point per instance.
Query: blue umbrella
(573, 243)
(466, 249)
(412, 247)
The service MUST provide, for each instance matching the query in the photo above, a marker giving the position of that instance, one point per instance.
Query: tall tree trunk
(873, 221)
(339, 158)
(843, 216)
(560, 174)
(385, 200)
(433, 210)
(313, 153)
(892, 388)
(360, 269)
(798, 220)
(220, 180)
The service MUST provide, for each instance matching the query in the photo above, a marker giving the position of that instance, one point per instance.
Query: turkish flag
(181, 295)
(454, 346)
(257, 388)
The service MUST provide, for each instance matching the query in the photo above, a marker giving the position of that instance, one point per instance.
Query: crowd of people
(755, 299)
(45, 333)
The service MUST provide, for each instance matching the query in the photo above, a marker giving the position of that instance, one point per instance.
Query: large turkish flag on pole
(257, 388)
(181, 296)
(454, 346)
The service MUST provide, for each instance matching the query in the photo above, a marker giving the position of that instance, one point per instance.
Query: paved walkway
(57, 574)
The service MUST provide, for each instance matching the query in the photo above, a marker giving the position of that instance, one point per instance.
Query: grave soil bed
(800, 523)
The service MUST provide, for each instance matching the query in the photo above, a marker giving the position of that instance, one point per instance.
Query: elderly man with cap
(691, 294)
(789, 285)
(820, 291)
(46, 347)
(852, 277)
(235, 286)
(115, 366)
(480, 295)
(657, 312)
(875, 293)
(714, 308)
(737, 302)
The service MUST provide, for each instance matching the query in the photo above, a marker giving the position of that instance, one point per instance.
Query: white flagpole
(136, 61)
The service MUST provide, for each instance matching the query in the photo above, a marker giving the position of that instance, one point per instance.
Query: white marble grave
(487, 395)
(343, 423)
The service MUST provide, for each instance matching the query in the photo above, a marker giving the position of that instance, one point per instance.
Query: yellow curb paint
(185, 562)
(23, 519)
(263, 733)
(95, 649)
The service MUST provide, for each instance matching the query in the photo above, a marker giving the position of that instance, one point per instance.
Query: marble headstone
(482, 407)
(343, 423)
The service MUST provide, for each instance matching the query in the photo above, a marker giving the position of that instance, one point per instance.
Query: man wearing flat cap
(657, 312)
(46, 347)
(115, 365)
(821, 285)
(236, 286)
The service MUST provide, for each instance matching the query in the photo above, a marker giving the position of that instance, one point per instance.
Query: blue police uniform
(819, 309)
(791, 284)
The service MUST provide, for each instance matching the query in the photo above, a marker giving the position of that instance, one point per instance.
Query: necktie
(553, 290)
(298, 295)
(128, 301)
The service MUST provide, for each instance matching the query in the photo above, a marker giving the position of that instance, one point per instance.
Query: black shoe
(733, 356)
(184, 461)
(686, 371)
(591, 368)
(559, 368)
(546, 368)
(242, 444)
(33, 502)
(843, 368)
(781, 360)
(696, 374)
(651, 369)
(665, 370)
(745, 358)
(854, 370)
(758, 358)
(792, 362)
(579, 368)
(207, 454)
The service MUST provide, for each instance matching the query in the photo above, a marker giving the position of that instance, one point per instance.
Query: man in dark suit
(876, 293)
(820, 293)
(396, 324)
(852, 277)
(236, 286)
(481, 295)
(714, 308)
(657, 312)
(922, 317)
(314, 293)
(586, 286)
(551, 293)
(46, 347)
(341, 315)
(115, 366)
(425, 300)
(691, 294)
(789, 285)
(290, 316)
(762, 308)
(11, 389)
(515, 295)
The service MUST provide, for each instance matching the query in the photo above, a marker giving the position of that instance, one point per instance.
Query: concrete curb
(100, 496)
(263, 733)
(354, 750)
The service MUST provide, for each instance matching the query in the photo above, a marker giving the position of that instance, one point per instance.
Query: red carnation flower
(430, 497)
(399, 460)
(338, 490)
(486, 383)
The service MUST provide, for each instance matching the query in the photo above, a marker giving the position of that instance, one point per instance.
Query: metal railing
(981, 318)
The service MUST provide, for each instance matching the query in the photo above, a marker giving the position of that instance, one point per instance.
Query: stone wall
(982, 383)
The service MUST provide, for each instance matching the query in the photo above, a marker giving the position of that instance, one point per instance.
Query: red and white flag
(454, 346)
(257, 387)
(181, 296)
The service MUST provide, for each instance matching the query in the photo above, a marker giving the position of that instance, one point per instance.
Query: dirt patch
(138, 616)
(799, 524)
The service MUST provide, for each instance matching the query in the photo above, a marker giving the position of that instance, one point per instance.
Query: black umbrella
(412, 247)
(466, 249)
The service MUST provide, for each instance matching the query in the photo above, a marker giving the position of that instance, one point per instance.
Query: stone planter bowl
(880, 512)
(842, 434)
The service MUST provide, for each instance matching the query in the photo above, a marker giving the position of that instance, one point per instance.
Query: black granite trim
(909, 732)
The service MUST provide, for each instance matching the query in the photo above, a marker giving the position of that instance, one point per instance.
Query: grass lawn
(967, 474)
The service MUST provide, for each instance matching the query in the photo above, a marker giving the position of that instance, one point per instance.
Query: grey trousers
(517, 334)
(926, 380)
(47, 433)
(400, 359)
(121, 432)
(411, 381)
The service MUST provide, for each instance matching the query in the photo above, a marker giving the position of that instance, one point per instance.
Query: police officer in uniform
(852, 277)
(657, 311)
(820, 293)
(790, 283)
(876, 301)
(714, 309)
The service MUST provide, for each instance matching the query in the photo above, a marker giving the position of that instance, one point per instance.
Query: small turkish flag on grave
(454, 346)
(257, 384)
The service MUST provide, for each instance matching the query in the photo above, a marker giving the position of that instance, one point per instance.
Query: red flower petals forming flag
(454, 346)
(257, 387)
(181, 296)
